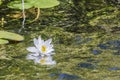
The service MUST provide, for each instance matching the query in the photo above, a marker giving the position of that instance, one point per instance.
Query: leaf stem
(37, 16)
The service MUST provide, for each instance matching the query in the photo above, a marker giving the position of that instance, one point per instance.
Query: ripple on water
(112, 44)
(103, 46)
(87, 65)
(79, 40)
(96, 52)
(64, 76)
(93, 60)
(113, 68)
(68, 77)
(117, 52)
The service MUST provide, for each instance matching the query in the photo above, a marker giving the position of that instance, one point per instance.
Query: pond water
(83, 54)
(78, 56)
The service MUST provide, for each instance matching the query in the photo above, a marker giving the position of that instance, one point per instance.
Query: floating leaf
(46, 3)
(0, 2)
(2, 41)
(33, 3)
(11, 36)
(18, 5)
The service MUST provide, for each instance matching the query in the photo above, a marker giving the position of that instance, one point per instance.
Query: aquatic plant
(42, 47)
(6, 36)
(33, 3)
(0, 2)
(42, 52)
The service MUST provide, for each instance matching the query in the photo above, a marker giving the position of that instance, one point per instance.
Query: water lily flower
(41, 52)
(42, 47)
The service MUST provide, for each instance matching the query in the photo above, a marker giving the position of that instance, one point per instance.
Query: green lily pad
(18, 5)
(0, 2)
(46, 3)
(11, 36)
(33, 3)
(2, 41)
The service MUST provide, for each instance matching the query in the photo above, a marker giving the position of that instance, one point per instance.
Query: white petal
(36, 43)
(51, 63)
(49, 45)
(36, 54)
(32, 49)
(30, 57)
(48, 58)
(40, 40)
(37, 59)
(49, 51)
(48, 41)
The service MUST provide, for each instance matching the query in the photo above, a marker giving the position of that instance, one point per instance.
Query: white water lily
(42, 47)
(41, 52)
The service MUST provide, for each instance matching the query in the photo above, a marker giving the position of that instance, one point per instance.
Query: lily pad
(46, 3)
(11, 36)
(18, 5)
(33, 3)
(0, 2)
(2, 41)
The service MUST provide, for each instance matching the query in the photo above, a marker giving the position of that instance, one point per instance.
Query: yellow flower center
(42, 61)
(43, 48)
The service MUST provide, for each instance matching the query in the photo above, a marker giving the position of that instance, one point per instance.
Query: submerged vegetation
(85, 35)
(76, 57)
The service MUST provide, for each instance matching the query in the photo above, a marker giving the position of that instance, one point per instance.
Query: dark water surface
(83, 52)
